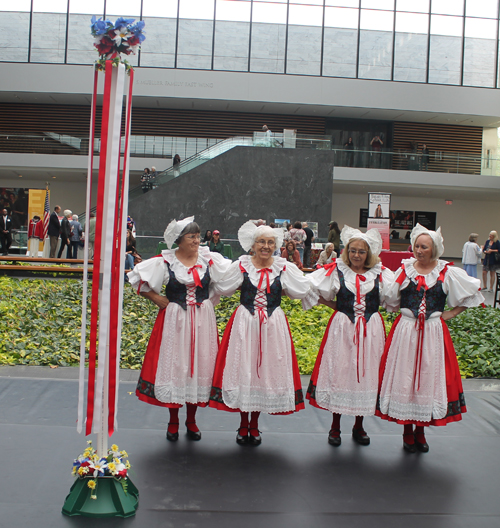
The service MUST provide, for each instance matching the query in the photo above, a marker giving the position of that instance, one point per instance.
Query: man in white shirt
(5, 232)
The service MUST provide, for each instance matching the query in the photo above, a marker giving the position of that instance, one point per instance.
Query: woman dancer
(345, 377)
(180, 358)
(256, 369)
(420, 378)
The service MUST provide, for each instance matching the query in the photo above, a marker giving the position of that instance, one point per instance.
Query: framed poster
(426, 219)
(379, 205)
(402, 220)
(363, 217)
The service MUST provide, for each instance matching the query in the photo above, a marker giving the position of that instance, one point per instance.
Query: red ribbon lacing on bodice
(192, 309)
(360, 323)
(260, 304)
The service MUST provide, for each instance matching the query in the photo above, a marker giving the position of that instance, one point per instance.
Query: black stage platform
(294, 479)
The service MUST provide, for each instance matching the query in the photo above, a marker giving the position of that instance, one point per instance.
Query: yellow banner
(36, 204)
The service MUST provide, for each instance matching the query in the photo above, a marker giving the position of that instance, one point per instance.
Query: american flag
(46, 215)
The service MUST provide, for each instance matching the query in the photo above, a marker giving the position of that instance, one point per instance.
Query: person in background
(76, 235)
(5, 232)
(349, 148)
(66, 234)
(35, 233)
(326, 256)
(298, 235)
(216, 244)
(176, 165)
(471, 255)
(334, 236)
(129, 251)
(425, 158)
(153, 183)
(91, 235)
(307, 244)
(490, 264)
(54, 230)
(208, 237)
(145, 180)
(290, 253)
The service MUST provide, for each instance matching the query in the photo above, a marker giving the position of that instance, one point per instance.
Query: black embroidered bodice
(177, 292)
(346, 299)
(435, 298)
(249, 291)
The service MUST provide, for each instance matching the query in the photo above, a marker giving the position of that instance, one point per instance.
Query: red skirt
(454, 389)
(145, 390)
(216, 400)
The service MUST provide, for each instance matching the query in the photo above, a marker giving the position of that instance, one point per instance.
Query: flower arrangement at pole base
(114, 465)
(111, 40)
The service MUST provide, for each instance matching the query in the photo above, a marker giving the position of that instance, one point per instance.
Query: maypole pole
(103, 488)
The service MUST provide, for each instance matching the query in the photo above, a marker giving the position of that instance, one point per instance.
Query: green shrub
(40, 325)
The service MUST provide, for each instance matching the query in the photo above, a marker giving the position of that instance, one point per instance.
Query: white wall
(457, 221)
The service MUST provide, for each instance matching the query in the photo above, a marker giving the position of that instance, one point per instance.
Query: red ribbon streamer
(357, 330)
(265, 271)
(196, 276)
(359, 278)
(96, 275)
(330, 267)
(420, 326)
(192, 309)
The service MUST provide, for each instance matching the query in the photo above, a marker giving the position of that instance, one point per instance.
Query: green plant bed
(40, 325)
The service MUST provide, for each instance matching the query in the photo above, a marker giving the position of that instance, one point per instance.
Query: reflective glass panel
(341, 17)
(375, 54)
(14, 50)
(445, 59)
(377, 4)
(21, 6)
(268, 47)
(272, 13)
(339, 52)
(482, 8)
(271, 1)
(307, 2)
(448, 7)
(342, 3)
(195, 44)
(377, 20)
(412, 23)
(422, 6)
(446, 25)
(231, 45)
(197, 9)
(50, 6)
(165, 8)
(304, 50)
(119, 8)
(80, 43)
(49, 46)
(91, 7)
(410, 53)
(479, 62)
(305, 15)
(233, 10)
(480, 28)
(159, 47)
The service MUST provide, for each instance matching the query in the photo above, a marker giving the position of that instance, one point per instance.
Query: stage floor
(294, 479)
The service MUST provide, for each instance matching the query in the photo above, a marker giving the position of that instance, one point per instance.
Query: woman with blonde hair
(491, 261)
(345, 377)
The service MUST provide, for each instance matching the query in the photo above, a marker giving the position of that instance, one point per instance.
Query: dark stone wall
(241, 184)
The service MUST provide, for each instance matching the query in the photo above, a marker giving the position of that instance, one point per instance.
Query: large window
(436, 41)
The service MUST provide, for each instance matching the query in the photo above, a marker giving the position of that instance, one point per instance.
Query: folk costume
(180, 357)
(345, 376)
(256, 369)
(419, 376)
(35, 234)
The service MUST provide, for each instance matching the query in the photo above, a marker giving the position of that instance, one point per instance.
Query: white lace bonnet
(174, 229)
(371, 237)
(248, 233)
(436, 236)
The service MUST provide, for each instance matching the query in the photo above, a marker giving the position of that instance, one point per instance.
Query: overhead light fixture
(53, 177)
(20, 175)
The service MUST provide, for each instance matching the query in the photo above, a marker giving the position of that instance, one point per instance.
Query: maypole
(102, 488)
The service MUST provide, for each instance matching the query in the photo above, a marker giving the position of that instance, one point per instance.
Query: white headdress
(174, 229)
(248, 233)
(436, 236)
(371, 237)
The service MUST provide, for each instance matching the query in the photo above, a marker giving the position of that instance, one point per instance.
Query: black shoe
(410, 448)
(334, 440)
(423, 448)
(242, 439)
(254, 440)
(360, 436)
(172, 437)
(193, 435)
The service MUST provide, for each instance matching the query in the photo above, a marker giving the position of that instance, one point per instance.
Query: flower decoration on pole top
(111, 40)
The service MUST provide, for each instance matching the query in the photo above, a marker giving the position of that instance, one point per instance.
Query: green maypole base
(112, 501)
